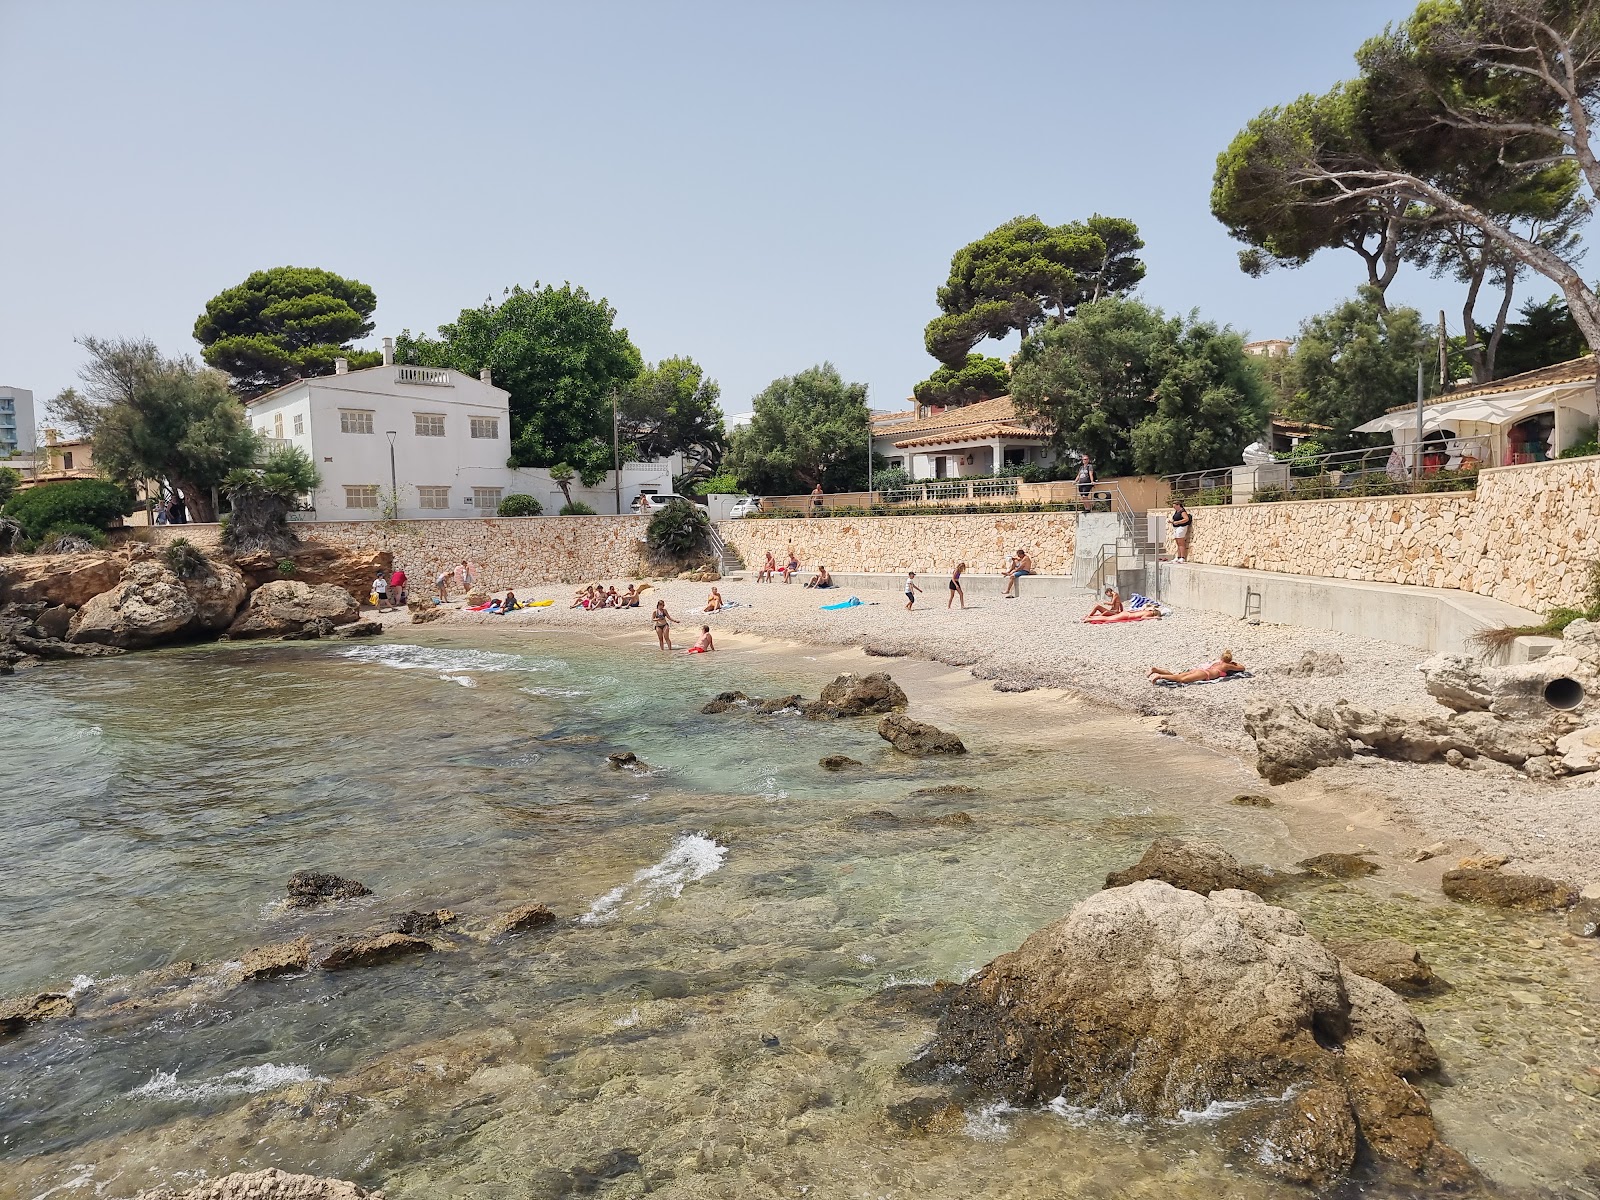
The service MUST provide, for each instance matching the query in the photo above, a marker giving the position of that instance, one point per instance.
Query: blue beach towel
(853, 602)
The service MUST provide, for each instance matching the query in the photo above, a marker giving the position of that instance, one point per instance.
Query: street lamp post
(616, 453)
(394, 486)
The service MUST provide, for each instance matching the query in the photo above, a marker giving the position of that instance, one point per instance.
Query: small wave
(80, 985)
(444, 661)
(263, 1077)
(557, 693)
(989, 1124)
(691, 858)
(1219, 1110)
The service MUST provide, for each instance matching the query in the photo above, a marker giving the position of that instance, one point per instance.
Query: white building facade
(16, 421)
(419, 443)
(956, 443)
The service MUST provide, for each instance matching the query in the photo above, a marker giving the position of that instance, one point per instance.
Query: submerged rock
(308, 888)
(1289, 745)
(1195, 866)
(1154, 1001)
(723, 701)
(623, 758)
(1584, 919)
(17, 1014)
(370, 951)
(918, 738)
(271, 1184)
(1506, 889)
(837, 762)
(418, 923)
(1252, 800)
(1397, 965)
(1338, 866)
(858, 696)
(281, 958)
(524, 916)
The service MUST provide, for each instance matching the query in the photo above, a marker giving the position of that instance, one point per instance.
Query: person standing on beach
(912, 589)
(397, 588)
(1181, 520)
(441, 584)
(955, 587)
(380, 592)
(663, 620)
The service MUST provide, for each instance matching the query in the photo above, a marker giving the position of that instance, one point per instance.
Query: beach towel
(478, 608)
(853, 602)
(1202, 682)
(538, 604)
(1137, 602)
(1124, 615)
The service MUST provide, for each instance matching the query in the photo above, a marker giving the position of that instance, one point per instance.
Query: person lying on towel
(1219, 668)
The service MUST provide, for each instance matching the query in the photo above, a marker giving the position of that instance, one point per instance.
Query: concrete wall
(933, 544)
(509, 551)
(1526, 537)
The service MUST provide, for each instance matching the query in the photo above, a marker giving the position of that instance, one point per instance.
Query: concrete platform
(1438, 620)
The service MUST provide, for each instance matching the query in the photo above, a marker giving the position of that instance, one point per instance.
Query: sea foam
(263, 1077)
(691, 857)
(446, 662)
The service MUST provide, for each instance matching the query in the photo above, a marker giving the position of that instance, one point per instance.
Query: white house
(434, 439)
(930, 442)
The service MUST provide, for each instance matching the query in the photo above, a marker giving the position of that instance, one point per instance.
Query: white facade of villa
(437, 438)
(957, 443)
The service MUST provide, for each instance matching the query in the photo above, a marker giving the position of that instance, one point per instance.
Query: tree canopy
(560, 355)
(807, 429)
(1017, 276)
(1138, 391)
(1472, 112)
(284, 324)
(1355, 362)
(979, 378)
(152, 417)
(1543, 333)
(671, 407)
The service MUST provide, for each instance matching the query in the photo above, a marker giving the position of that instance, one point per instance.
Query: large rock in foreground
(1289, 744)
(151, 604)
(70, 579)
(858, 696)
(287, 606)
(1153, 1001)
(271, 1184)
(917, 738)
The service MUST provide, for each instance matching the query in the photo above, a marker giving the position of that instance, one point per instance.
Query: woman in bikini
(955, 587)
(1111, 607)
(1219, 668)
(713, 602)
(662, 620)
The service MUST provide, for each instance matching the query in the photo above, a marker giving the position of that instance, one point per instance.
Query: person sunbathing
(821, 579)
(612, 600)
(703, 644)
(1111, 607)
(510, 603)
(768, 569)
(713, 602)
(1219, 668)
(583, 597)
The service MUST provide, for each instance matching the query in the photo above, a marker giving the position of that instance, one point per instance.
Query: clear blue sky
(759, 185)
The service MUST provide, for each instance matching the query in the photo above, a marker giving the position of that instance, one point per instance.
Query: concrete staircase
(1115, 548)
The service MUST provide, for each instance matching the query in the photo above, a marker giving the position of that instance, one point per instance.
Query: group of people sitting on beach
(596, 597)
(789, 569)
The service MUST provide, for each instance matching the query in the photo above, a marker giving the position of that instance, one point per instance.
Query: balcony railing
(431, 376)
(1440, 466)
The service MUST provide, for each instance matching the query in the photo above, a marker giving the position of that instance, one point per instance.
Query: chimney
(341, 366)
(388, 352)
(486, 377)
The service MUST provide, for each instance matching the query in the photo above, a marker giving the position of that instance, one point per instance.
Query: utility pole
(394, 486)
(1416, 454)
(1444, 354)
(616, 453)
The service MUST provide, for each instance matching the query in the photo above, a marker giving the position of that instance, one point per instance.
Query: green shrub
(1270, 494)
(576, 508)
(890, 479)
(1588, 443)
(519, 506)
(93, 503)
(722, 484)
(678, 529)
(185, 560)
(1209, 496)
(70, 538)
(286, 566)
(10, 481)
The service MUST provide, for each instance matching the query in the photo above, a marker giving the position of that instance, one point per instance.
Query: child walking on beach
(663, 620)
(912, 589)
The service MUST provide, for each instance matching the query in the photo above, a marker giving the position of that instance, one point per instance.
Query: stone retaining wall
(510, 551)
(1527, 536)
(932, 544)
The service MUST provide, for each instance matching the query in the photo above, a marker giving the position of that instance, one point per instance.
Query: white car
(654, 502)
(745, 506)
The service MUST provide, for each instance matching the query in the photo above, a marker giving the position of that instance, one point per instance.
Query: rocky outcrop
(1195, 866)
(837, 762)
(314, 563)
(1506, 889)
(16, 1015)
(1289, 745)
(1153, 1001)
(858, 696)
(280, 958)
(1518, 692)
(1338, 866)
(419, 923)
(33, 632)
(370, 951)
(1397, 965)
(271, 1184)
(918, 738)
(309, 888)
(70, 579)
(287, 606)
(524, 916)
(150, 604)
(1584, 919)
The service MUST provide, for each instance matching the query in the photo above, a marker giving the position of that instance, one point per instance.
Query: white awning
(1494, 409)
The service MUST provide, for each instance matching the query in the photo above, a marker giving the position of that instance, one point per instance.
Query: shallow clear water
(730, 895)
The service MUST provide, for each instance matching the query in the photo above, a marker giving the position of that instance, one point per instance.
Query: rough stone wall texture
(1526, 537)
(510, 551)
(909, 543)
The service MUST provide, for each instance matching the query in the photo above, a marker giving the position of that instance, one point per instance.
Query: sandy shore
(1037, 642)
